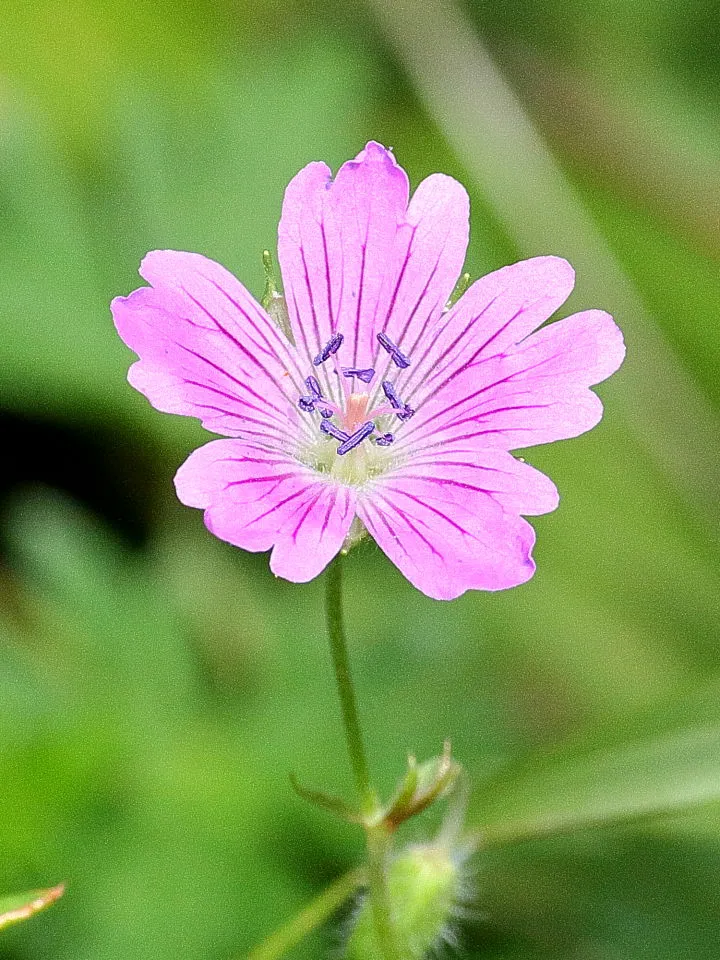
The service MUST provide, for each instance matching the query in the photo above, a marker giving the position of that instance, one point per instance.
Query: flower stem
(378, 846)
(343, 678)
(378, 837)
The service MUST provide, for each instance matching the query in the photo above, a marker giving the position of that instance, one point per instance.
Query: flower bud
(422, 786)
(424, 887)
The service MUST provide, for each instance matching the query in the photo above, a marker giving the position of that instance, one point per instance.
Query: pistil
(356, 410)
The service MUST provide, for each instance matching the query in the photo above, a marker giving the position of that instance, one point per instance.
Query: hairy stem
(378, 846)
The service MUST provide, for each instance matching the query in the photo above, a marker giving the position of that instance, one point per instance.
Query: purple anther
(356, 438)
(389, 391)
(314, 387)
(385, 439)
(386, 342)
(364, 375)
(325, 412)
(402, 410)
(331, 347)
(400, 360)
(307, 404)
(396, 354)
(333, 431)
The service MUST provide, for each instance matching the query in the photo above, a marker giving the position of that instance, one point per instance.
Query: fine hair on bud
(429, 892)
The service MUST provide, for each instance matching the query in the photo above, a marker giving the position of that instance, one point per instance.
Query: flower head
(384, 405)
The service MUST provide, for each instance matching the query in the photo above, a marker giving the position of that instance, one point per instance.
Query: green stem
(309, 918)
(378, 838)
(343, 678)
(378, 846)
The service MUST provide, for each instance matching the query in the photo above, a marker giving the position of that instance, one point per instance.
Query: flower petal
(315, 533)
(535, 393)
(335, 241)
(464, 473)
(208, 350)
(428, 258)
(259, 500)
(442, 545)
(497, 312)
(356, 259)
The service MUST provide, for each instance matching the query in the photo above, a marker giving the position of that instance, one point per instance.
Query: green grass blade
(574, 789)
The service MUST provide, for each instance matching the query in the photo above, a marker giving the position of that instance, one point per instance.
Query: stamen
(389, 391)
(383, 410)
(314, 387)
(402, 410)
(364, 375)
(396, 354)
(307, 404)
(400, 360)
(331, 347)
(385, 440)
(354, 439)
(332, 430)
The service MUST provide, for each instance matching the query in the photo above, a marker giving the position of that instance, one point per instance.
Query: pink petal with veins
(258, 500)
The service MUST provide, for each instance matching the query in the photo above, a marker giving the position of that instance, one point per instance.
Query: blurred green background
(157, 686)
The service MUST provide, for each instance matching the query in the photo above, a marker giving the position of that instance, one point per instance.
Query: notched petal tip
(125, 314)
(374, 152)
(118, 302)
(118, 305)
(441, 193)
(379, 165)
(287, 568)
(194, 480)
(153, 262)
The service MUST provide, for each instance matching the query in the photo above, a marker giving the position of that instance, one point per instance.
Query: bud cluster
(427, 884)
(427, 887)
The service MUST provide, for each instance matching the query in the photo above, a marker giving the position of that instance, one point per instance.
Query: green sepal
(460, 288)
(421, 786)
(273, 301)
(335, 805)
(356, 534)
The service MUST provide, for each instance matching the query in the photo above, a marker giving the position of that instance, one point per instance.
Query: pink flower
(388, 410)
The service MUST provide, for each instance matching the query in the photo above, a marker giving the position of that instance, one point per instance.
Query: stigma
(355, 410)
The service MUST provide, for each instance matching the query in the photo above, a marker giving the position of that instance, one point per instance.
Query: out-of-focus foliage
(156, 686)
